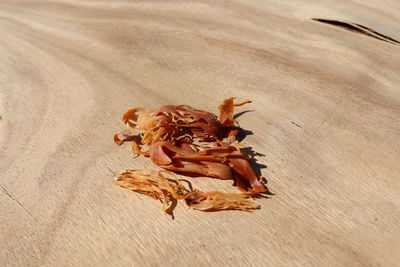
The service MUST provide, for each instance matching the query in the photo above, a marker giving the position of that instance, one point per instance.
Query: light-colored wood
(325, 114)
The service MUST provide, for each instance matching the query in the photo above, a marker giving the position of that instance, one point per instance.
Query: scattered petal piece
(214, 201)
(157, 185)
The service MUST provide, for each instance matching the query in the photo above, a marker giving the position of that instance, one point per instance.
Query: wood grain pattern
(326, 116)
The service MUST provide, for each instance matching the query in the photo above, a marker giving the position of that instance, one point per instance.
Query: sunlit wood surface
(325, 113)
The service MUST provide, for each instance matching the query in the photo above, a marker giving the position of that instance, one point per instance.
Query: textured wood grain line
(325, 117)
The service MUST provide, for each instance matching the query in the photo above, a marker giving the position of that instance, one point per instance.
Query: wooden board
(325, 115)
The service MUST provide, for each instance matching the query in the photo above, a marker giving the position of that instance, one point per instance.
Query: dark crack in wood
(354, 27)
(297, 125)
(16, 200)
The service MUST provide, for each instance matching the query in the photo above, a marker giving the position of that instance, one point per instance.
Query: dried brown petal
(179, 124)
(214, 200)
(157, 185)
(226, 111)
(154, 184)
(223, 162)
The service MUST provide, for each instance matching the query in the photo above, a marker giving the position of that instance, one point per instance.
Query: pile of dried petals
(175, 137)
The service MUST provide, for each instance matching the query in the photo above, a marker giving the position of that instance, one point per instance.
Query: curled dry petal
(166, 187)
(244, 174)
(180, 124)
(130, 117)
(154, 184)
(226, 110)
(223, 162)
(214, 200)
(126, 135)
(177, 159)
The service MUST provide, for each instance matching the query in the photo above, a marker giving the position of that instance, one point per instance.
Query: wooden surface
(325, 115)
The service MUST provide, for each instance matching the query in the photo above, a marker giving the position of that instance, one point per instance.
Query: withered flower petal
(223, 162)
(215, 200)
(175, 137)
(226, 110)
(166, 187)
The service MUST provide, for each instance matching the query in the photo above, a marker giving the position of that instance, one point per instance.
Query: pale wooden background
(69, 69)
